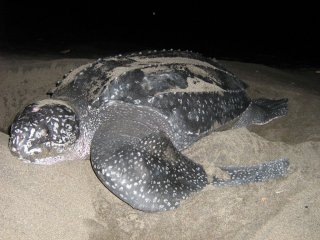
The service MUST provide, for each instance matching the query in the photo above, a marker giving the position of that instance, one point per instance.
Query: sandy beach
(67, 201)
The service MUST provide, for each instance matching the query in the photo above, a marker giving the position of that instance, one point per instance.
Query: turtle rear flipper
(256, 173)
(261, 111)
(135, 159)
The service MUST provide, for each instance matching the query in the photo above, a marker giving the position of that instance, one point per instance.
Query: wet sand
(66, 200)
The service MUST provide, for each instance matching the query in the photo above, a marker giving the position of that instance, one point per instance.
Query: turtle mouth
(26, 154)
(43, 154)
(42, 161)
(28, 149)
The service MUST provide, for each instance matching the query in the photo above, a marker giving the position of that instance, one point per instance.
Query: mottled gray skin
(133, 114)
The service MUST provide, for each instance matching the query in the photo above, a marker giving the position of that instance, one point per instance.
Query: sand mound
(66, 201)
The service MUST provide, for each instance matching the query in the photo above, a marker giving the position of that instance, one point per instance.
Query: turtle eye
(44, 133)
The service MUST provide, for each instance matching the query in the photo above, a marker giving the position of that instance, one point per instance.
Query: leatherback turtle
(133, 114)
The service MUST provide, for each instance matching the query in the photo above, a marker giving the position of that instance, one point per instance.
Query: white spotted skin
(48, 132)
(132, 173)
(196, 94)
(133, 114)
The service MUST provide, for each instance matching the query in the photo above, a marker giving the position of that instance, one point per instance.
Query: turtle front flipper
(256, 173)
(135, 159)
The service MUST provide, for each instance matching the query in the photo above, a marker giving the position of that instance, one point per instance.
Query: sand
(66, 200)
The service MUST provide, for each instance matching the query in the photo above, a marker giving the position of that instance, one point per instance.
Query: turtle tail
(256, 173)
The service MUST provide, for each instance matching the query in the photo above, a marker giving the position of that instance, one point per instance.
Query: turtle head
(44, 130)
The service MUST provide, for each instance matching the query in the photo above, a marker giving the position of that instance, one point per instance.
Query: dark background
(262, 33)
